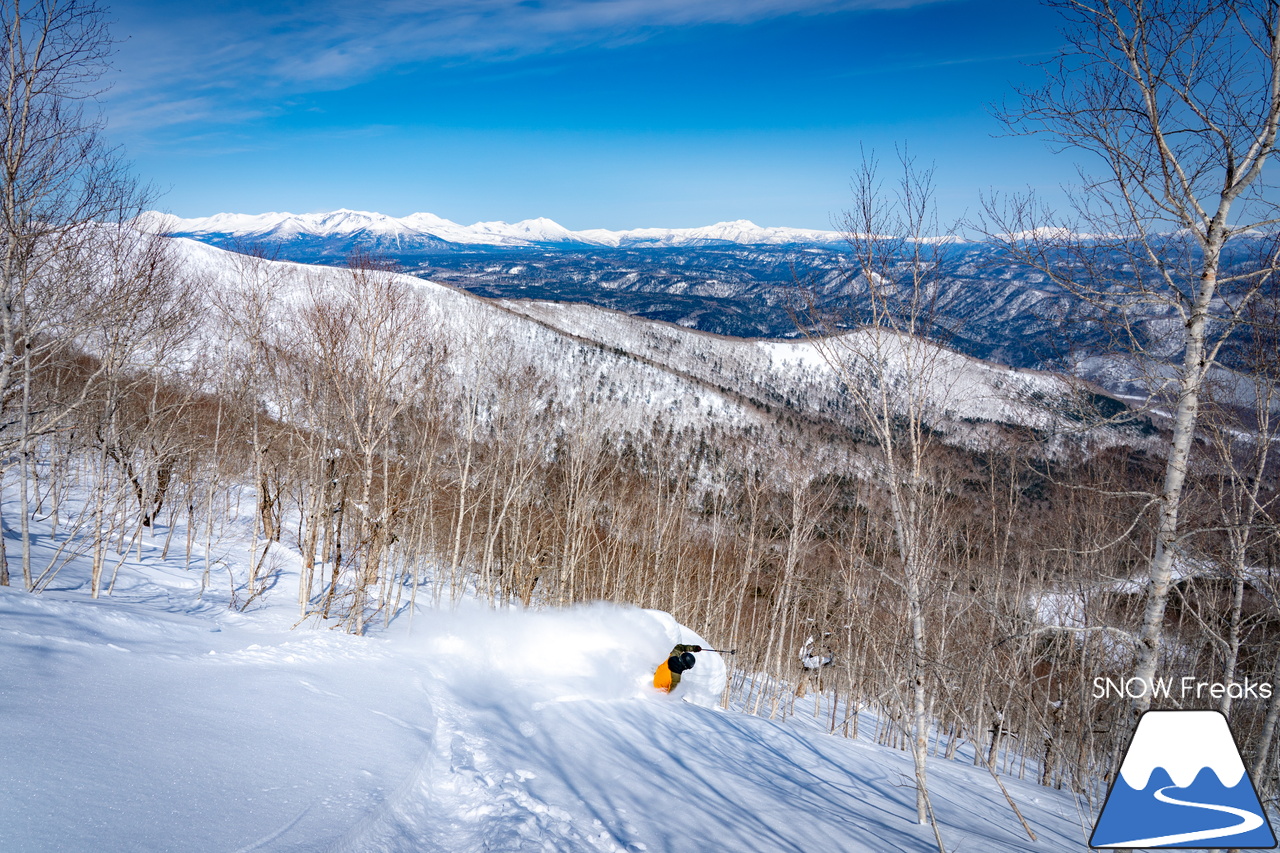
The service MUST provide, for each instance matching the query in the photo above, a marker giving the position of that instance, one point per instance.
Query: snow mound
(600, 651)
(704, 684)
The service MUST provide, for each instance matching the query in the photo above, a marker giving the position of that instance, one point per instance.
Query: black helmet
(687, 660)
(675, 664)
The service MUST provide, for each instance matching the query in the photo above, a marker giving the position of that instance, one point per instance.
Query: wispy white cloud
(219, 55)
(932, 63)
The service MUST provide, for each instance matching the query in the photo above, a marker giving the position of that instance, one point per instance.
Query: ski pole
(722, 651)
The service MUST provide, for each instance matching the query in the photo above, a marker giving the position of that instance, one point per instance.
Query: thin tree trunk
(1261, 765)
(1160, 574)
(4, 555)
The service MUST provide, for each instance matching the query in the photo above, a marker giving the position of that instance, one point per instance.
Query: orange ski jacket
(663, 678)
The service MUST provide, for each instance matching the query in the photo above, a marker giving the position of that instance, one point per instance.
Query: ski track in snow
(159, 720)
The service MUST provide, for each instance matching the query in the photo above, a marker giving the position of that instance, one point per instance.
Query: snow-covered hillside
(281, 227)
(641, 369)
(965, 392)
(493, 341)
(160, 720)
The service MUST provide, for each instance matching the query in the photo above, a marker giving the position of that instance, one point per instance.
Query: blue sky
(595, 113)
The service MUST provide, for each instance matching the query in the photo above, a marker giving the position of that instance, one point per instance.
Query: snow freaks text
(1186, 687)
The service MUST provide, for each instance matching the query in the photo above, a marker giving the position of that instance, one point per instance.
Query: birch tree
(85, 299)
(898, 386)
(1175, 108)
(375, 344)
(56, 177)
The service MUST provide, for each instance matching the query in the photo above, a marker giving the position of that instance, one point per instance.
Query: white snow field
(157, 719)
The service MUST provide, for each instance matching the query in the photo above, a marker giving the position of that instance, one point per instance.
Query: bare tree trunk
(1194, 366)
(1262, 764)
(1131, 89)
(4, 550)
(895, 380)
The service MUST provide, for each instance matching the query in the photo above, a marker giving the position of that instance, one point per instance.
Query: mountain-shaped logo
(1182, 783)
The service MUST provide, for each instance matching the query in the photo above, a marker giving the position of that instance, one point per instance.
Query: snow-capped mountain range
(426, 230)
(732, 278)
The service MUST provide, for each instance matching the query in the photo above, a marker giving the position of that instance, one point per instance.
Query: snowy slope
(158, 720)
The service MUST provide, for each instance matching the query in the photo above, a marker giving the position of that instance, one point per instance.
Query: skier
(667, 675)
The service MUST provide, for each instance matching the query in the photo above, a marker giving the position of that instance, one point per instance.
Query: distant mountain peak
(362, 224)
